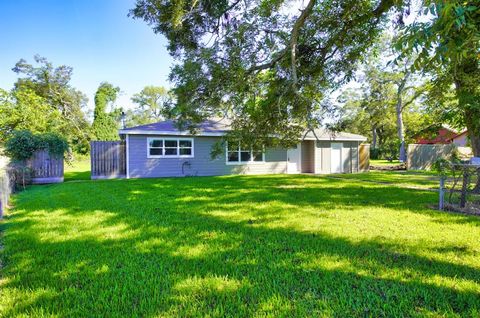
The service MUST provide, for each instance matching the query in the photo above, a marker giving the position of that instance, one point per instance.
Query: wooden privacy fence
(364, 157)
(107, 159)
(422, 157)
(46, 168)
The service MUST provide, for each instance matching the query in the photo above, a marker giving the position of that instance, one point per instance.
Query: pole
(441, 193)
(466, 180)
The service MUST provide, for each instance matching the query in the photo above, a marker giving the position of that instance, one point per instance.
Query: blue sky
(95, 37)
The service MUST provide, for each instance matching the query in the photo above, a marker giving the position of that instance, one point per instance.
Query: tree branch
(268, 65)
(414, 97)
(294, 39)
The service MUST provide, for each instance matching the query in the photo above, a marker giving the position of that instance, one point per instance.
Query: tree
(390, 92)
(449, 48)
(264, 64)
(371, 111)
(409, 87)
(24, 110)
(105, 124)
(153, 102)
(43, 85)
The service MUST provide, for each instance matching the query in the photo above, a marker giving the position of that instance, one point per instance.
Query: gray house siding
(308, 156)
(323, 156)
(140, 166)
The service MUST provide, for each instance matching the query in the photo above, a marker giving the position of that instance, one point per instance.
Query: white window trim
(178, 148)
(238, 163)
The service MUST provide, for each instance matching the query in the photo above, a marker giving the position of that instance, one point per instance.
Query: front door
(336, 157)
(293, 160)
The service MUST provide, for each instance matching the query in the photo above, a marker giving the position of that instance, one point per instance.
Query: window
(238, 155)
(170, 148)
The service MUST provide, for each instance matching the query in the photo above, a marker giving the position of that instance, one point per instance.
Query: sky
(95, 37)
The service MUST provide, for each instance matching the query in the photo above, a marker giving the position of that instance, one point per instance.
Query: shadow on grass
(221, 246)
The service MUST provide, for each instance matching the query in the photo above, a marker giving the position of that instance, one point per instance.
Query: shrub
(22, 145)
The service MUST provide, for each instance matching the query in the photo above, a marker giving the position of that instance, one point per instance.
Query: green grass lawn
(401, 178)
(77, 170)
(237, 246)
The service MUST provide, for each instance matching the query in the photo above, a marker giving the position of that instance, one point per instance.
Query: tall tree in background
(152, 104)
(105, 120)
(264, 64)
(46, 89)
(389, 93)
(409, 87)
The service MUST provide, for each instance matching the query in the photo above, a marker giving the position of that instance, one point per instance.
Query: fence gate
(107, 159)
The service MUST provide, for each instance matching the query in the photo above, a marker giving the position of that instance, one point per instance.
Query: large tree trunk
(467, 77)
(374, 137)
(400, 128)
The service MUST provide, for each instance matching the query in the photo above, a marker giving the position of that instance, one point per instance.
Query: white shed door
(293, 160)
(336, 157)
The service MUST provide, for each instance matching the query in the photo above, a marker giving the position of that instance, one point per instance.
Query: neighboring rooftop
(219, 127)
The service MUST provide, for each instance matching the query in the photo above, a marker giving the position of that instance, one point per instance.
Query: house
(442, 134)
(435, 134)
(161, 150)
(461, 139)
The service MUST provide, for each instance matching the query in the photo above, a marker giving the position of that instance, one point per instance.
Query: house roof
(464, 132)
(219, 127)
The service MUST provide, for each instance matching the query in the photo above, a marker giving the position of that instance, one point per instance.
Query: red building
(436, 134)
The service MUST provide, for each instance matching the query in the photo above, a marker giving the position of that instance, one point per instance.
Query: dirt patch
(393, 167)
(469, 208)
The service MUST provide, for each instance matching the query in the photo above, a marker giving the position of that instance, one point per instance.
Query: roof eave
(213, 134)
(337, 139)
(168, 133)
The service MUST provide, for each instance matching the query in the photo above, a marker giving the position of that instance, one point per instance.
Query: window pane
(170, 151)
(185, 151)
(257, 156)
(233, 156)
(156, 143)
(156, 151)
(171, 143)
(186, 143)
(245, 156)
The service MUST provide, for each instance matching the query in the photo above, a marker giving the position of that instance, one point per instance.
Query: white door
(336, 158)
(293, 160)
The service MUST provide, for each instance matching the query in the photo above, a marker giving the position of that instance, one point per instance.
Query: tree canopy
(266, 65)
(105, 121)
(448, 47)
(43, 100)
(152, 105)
